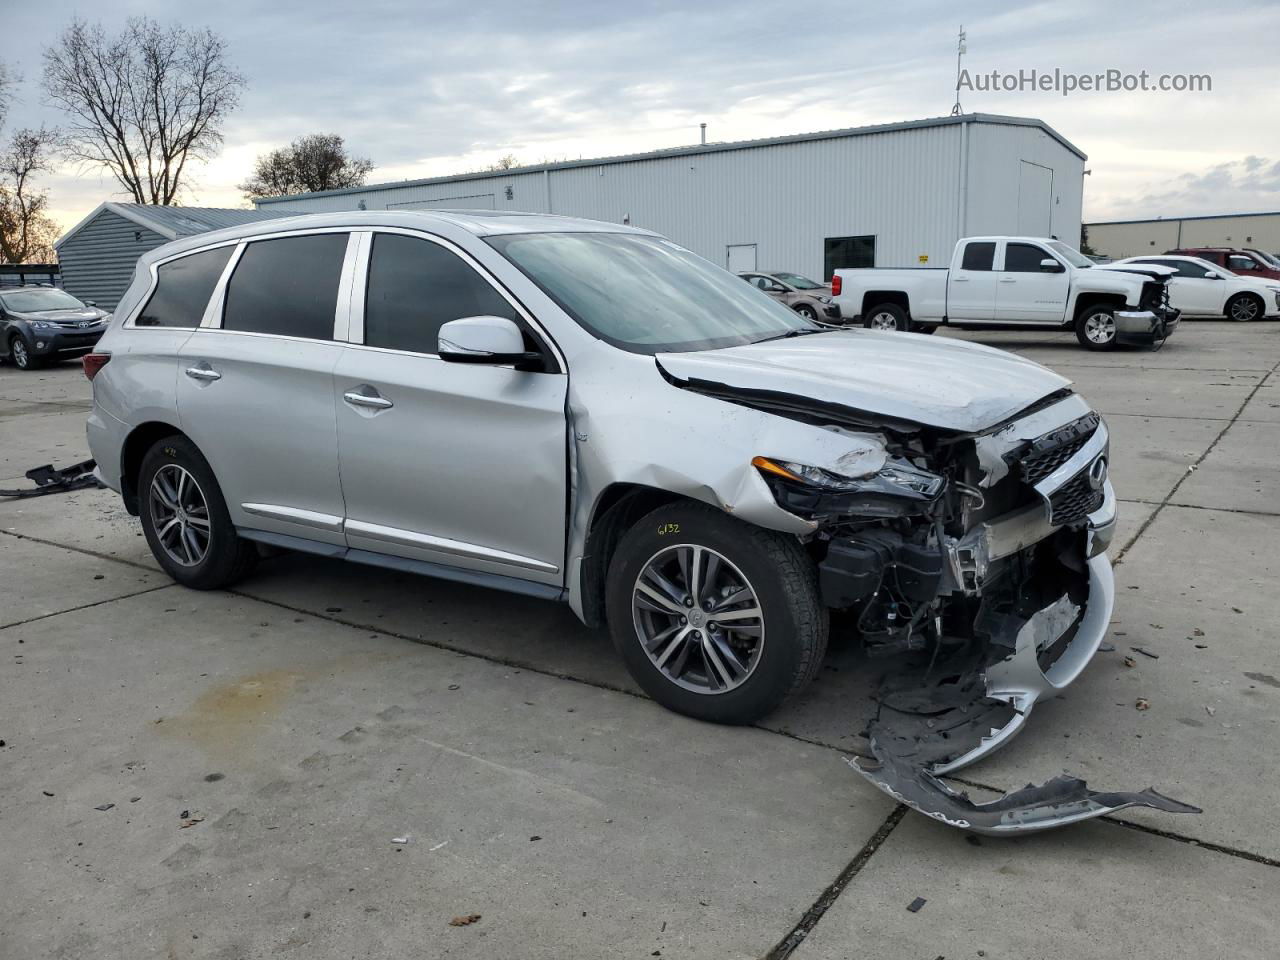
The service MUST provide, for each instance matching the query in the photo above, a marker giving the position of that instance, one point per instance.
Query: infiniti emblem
(1098, 473)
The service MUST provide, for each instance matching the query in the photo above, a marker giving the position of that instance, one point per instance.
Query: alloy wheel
(1100, 328)
(1244, 309)
(884, 321)
(21, 359)
(180, 515)
(698, 619)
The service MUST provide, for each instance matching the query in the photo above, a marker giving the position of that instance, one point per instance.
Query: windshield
(797, 281)
(1070, 254)
(646, 294)
(33, 301)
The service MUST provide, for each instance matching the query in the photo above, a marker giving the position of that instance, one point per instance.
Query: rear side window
(1023, 258)
(183, 288)
(287, 287)
(978, 256)
(415, 287)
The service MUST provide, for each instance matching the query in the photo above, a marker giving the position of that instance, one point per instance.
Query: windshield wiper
(798, 332)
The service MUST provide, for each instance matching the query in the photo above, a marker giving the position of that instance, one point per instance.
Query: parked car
(590, 413)
(1270, 258)
(1246, 263)
(1203, 289)
(1017, 282)
(806, 297)
(40, 325)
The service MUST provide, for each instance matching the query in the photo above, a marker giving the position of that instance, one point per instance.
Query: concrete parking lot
(335, 761)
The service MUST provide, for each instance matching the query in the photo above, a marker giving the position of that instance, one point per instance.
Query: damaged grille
(1074, 500)
(1051, 451)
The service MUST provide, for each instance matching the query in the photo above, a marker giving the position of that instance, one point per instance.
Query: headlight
(824, 299)
(898, 478)
(42, 324)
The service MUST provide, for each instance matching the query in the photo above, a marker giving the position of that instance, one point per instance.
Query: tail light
(93, 362)
(835, 284)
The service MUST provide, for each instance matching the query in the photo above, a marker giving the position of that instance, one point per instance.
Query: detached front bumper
(1145, 328)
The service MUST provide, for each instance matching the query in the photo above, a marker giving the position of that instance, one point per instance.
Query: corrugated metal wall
(902, 186)
(97, 263)
(1145, 237)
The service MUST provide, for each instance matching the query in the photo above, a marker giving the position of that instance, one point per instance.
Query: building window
(839, 253)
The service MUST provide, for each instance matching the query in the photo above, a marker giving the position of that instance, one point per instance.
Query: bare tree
(26, 231)
(144, 103)
(504, 163)
(7, 80)
(316, 162)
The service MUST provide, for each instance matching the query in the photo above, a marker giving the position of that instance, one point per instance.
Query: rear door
(457, 464)
(255, 385)
(1025, 293)
(971, 285)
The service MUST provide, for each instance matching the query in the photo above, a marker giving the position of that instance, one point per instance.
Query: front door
(457, 464)
(255, 392)
(1025, 292)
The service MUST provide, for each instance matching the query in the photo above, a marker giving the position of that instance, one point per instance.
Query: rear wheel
(715, 618)
(1244, 307)
(1096, 328)
(185, 519)
(887, 316)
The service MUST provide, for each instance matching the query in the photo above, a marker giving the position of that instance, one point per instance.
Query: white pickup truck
(1019, 282)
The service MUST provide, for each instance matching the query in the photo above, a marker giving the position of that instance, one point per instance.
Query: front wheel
(1096, 328)
(1244, 307)
(185, 519)
(715, 618)
(23, 358)
(887, 316)
(807, 312)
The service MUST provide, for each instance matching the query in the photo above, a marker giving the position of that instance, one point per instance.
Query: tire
(887, 316)
(1244, 307)
(21, 355)
(781, 582)
(1096, 328)
(225, 557)
(807, 312)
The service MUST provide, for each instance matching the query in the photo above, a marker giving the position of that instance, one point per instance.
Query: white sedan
(1204, 289)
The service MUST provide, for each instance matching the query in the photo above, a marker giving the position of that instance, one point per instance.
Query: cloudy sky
(425, 87)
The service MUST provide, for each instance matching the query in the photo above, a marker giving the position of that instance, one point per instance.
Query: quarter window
(979, 255)
(1023, 258)
(183, 288)
(287, 287)
(415, 287)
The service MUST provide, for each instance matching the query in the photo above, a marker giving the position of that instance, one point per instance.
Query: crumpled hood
(949, 384)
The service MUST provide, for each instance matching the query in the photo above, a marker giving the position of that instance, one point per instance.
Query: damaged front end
(977, 564)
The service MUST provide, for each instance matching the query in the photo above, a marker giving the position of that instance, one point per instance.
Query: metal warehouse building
(98, 254)
(896, 194)
(1133, 238)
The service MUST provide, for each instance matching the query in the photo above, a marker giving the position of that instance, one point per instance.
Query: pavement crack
(1146, 524)
(88, 553)
(85, 606)
(787, 945)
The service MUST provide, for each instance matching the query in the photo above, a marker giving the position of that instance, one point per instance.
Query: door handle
(374, 402)
(203, 371)
(1008, 280)
(959, 279)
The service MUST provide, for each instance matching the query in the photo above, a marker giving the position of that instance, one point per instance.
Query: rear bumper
(1143, 327)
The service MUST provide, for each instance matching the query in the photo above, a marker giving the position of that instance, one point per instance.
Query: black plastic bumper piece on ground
(48, 479)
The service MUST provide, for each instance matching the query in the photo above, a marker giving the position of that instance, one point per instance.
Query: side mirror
(1212, 275)
(495, 341)
(91, 303)
(1050, 265)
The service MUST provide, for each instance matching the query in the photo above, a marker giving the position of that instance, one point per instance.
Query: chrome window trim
(213, 309)
(154, 277)
(356, 278)
(357, 308)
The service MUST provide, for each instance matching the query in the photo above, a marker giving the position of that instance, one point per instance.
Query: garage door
(477, 201)
(1035, 199)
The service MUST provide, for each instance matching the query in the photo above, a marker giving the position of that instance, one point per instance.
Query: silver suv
(591, 413)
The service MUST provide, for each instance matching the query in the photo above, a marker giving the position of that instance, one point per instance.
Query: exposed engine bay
(973, 568)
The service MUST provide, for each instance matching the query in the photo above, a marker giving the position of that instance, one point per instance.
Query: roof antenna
(704, 133)
(961, 50)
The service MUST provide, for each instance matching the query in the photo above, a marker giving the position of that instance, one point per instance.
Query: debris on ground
(1130, 662)
(1145, 653)
(1106, 648)
(104, 806)
(184, 814)
(399, 840)
(1209, 710)
(47, 793)
(48, 479)
(191, 821)
(1142, 703)
(465, 920)
(915, 905)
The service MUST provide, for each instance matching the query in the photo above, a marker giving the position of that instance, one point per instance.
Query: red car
(1244, 262)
